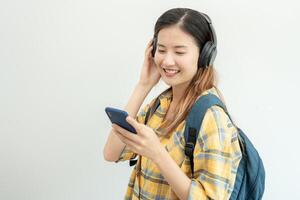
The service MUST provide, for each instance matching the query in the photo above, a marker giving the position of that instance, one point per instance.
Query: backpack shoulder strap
(194, 122)
(152, 109)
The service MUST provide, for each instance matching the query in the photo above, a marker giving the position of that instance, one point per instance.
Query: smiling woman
(177, 63)
(181, 53)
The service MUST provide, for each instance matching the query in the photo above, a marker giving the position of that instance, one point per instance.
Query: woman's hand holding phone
(149, 74)
(145, 142)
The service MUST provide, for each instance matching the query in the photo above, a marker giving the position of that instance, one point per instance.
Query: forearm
(114, 145)
(176, 178)
(136, 99)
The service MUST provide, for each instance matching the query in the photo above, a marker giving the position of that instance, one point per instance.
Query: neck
(178, 91)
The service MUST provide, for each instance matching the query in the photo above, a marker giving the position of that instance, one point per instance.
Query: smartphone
(118, 116)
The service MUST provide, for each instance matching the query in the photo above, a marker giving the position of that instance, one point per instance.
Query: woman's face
(176, 56)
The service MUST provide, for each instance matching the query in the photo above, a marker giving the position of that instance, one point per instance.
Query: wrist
(144, 86)
(162, 152)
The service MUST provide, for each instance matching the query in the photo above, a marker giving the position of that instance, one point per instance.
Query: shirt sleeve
(216, 157)
(127, 154)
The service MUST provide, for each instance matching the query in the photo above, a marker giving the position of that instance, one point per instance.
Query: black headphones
(209, 51)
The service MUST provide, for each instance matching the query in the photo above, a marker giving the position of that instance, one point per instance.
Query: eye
(179, 53)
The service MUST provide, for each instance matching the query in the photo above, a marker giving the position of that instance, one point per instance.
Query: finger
(127, 134)
(120, 129)
(133, 122)
(150, 42)
(149, 46)
(120, 136)
(130, 144)
(149, 49)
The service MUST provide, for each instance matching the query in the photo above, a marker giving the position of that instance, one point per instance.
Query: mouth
(170, 72)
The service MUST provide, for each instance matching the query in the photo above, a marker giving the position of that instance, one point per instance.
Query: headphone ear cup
(203, 55)
(207, 55)
(212, 55)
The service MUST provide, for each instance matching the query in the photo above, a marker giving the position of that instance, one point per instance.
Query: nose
(168, 60)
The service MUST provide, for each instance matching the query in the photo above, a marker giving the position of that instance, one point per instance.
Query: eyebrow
(176, 47)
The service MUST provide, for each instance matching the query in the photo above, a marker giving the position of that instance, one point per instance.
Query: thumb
(132, 122)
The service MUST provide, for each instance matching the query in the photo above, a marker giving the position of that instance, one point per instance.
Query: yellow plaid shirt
(216, 157)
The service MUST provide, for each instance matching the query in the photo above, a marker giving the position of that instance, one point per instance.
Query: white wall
(62, 62)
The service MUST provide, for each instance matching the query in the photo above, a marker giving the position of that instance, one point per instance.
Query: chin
(170, 83)
(176, 83)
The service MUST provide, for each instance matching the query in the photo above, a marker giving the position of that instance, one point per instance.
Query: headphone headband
(212, 30)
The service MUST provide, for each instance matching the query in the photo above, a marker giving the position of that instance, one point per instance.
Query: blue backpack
(250, 177)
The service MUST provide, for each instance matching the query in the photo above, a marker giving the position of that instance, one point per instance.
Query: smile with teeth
(171, 71)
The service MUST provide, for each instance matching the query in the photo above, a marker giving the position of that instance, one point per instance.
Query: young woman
(182, 38)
